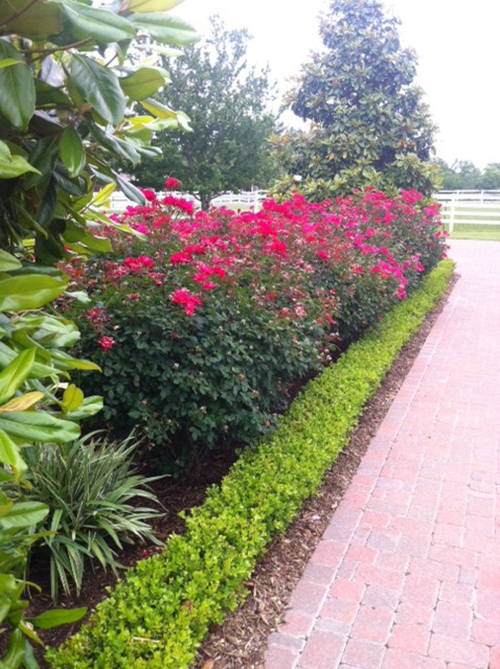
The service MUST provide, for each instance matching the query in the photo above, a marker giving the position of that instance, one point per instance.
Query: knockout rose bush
(204, 323)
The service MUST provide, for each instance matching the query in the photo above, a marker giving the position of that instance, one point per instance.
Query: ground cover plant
(159, 614)
(205, 325)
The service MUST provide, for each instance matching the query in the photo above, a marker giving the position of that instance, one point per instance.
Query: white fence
(246, 200)
(469, 207)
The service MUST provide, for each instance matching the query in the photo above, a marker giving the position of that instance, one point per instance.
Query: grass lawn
(467, 211)
(475, 231)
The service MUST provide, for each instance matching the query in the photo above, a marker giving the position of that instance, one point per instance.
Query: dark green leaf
(165, 28)
(71, 151)
(143, 83)
(56, 617)
(101, 24)
(99, 86)
(36, 21)
(131, 191)
(17, 89)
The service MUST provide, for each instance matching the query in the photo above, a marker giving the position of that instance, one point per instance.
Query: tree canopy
(368, 120)
(464, 175)
(227, 102)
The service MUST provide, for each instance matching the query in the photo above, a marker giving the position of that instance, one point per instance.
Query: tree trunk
(205, 200)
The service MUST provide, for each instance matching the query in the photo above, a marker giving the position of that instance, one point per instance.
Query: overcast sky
(457, 42)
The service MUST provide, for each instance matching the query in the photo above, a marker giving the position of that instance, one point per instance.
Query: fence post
(452, 212)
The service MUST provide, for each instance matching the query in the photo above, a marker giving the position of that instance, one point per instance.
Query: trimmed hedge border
(159, 614)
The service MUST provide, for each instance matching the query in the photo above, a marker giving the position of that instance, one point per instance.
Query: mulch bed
(241, 641)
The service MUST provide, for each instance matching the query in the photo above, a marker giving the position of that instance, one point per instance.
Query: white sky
(457, 42)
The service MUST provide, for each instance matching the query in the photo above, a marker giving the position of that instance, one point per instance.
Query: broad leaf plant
(70, 76)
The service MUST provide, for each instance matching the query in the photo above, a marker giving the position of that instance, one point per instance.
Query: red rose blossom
(106, 343)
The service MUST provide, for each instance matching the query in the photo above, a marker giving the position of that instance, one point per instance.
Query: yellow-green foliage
(158, 615)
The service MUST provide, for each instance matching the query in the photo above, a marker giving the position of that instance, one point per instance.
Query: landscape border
(161, 611)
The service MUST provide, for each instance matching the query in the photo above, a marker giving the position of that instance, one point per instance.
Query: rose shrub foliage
(204, 324)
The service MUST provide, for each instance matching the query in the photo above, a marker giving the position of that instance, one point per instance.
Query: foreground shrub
(88, 486)
(205, 325)
(159, 614)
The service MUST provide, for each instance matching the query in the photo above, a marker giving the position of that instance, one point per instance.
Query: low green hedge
(158, 615)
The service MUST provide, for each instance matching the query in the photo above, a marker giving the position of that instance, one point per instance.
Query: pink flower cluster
(299, 259)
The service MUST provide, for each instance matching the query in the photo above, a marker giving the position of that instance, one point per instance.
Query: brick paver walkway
(407, 575)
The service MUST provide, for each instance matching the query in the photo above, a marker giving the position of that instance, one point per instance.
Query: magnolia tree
(67, 94)
(368, 121)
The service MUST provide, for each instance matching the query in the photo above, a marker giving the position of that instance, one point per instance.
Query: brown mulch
(241, 641)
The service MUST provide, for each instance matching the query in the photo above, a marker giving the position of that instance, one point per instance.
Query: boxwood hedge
(158, 615)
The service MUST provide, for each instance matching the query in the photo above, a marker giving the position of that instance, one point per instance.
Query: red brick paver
(407, 574)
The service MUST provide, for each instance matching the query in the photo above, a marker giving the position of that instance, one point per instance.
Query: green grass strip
(159, 614)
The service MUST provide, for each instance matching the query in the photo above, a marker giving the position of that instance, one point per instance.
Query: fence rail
(481, 207)
(457, 207)
(245, 200)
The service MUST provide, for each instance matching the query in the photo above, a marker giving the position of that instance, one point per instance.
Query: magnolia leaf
(38, 426)
(72, 398)
(50, 96)
(34, 20)
(99, 86)
(7, 261)
(71, 152)
(67, 362)
(103, 195)
(8, 62)
(24, 514)
(140, 120)
(169, 52)
(121, 148)
(23, 402)
(15, 167)
(56, 617)
(38, 371)
(165, 28)
(89, 407)
(152, 5)
(74, 234)
(16, 373)
(184, 121)
(101, 24)
(143, 83)
(17, 88)
(25, 291)
(10, 454)
(130, 191)
(158, 109)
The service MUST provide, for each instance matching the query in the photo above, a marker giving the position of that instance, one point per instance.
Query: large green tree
(228, 104)
(368, 121)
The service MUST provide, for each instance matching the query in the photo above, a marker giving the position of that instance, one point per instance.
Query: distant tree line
(464, 175)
